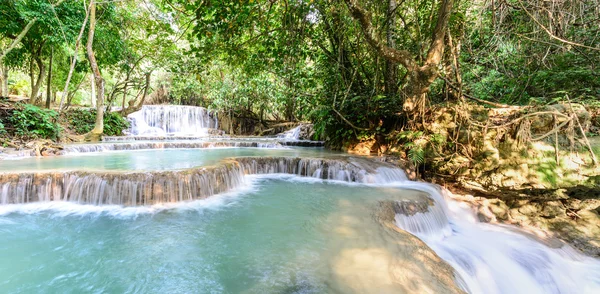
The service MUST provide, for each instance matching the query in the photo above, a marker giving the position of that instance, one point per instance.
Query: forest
(431, 81)
(300, 146)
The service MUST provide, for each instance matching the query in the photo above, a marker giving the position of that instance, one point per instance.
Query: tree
(420, 77)
(96, 132)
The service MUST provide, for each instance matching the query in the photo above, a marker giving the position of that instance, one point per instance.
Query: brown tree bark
(420, 77)
(96, 132)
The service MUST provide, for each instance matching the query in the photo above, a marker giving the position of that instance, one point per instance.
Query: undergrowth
(28, 122)
(82, 121)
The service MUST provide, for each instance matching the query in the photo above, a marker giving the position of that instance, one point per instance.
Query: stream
(259, 218)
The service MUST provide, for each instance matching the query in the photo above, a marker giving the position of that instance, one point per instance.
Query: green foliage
(82, 121)
(114, 124)
(416, 154)
(420, 146)
(29, 121)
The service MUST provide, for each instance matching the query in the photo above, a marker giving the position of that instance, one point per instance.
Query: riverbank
(570, 214)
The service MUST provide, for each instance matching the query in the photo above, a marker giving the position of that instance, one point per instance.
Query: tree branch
(397, 56)
(550, 33)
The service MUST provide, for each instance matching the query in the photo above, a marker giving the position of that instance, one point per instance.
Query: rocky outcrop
(570, 214)
(416, 267)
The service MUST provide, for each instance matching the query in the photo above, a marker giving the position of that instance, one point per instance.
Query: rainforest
(300, 146)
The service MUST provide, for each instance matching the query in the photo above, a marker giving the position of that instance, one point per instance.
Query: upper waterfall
(292, 134)
(160, 120)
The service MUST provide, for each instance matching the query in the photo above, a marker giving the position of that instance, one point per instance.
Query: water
(492, 258)
(160, 120)
(148, 160)
(292, 134)
(108, 221)
(277, 236)
(135, 188)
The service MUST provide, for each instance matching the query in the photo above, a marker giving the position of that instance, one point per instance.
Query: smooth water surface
(278, 237)
(282, 234)
(149, 160)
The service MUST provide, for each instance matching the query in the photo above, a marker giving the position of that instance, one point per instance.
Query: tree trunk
(37, 83)
(74, 60)
(124, 95)
(18, 39)
(419, 77)
(2, 78)
(93, 93)
(5, 81)
(49, 81)
(98, 129)
(146, 87)
(391, 76)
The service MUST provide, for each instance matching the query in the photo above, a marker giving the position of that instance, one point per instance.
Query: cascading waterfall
(161, 120)
(86, 148)
(129, 189)
(489, 258)
(292, 134)
(134, 188)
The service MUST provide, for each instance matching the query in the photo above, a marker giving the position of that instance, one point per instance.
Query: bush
(114, 124)
(82, 121)
(30, 121)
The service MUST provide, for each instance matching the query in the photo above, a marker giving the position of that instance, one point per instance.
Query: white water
(102, 147)
(495, 259)
(488, 258)
(292, 134)
(161, 120)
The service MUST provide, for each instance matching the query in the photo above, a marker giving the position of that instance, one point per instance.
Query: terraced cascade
(171, 209)
(343, 215)
(148, 188)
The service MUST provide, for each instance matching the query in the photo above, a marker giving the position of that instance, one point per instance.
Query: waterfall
(161, 120)
(135, 188)
(489, 258)
(85, 148)
(293, 134)
(486, 258)
(130, 189)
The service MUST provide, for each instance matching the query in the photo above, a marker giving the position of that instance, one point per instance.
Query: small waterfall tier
(489, 258)
(101, 147)
(426, 217)
(148, 188)
(280, 140)
(163, 120)
(292, 134)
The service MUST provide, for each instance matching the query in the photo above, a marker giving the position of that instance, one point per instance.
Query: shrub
(30, 121)
(82, 121)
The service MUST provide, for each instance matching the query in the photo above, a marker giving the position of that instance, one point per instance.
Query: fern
(416, 155)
